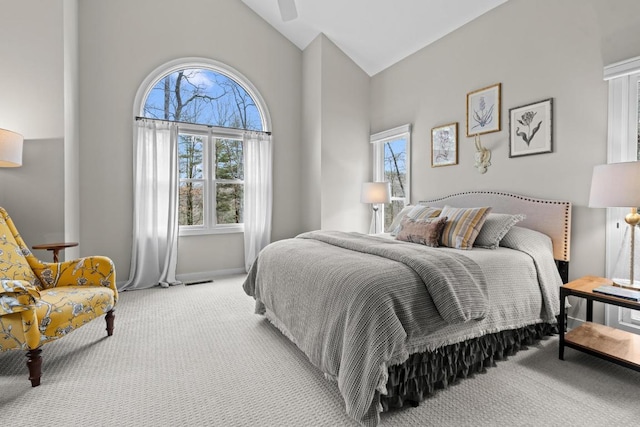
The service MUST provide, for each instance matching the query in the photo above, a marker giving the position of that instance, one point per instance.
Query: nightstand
(55, 247)
(602, 341)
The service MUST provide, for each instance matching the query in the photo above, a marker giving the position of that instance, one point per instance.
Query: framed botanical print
(483, 110)
(530, 129)
(444, 145)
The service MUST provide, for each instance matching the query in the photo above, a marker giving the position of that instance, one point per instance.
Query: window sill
(231, 229)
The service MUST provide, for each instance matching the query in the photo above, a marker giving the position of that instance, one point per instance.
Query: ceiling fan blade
(288, 10)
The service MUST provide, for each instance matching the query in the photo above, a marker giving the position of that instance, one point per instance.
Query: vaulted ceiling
(375, 34)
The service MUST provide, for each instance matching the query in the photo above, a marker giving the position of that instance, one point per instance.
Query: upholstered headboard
(551, 217)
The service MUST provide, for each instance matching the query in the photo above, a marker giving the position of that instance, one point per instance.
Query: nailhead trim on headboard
(552, 217)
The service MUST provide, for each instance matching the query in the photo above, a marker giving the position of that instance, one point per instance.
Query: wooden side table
(602, 341)
(55, 247)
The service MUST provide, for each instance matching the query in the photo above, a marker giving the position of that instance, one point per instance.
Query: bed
(392, 321)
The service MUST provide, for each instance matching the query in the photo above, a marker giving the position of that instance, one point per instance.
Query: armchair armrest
(86, 271)
(18, 322)
(16, 296)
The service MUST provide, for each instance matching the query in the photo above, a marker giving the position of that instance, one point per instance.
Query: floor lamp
(617, 185)
(375, 193)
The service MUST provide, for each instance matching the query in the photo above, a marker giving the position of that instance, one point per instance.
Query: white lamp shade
(615, 185)
(10, 149)
(375, 192)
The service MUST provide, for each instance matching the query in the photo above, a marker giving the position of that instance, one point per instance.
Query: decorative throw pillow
(425, 231)
(495, 227)
(521, 238)
(415, 212)
(423, 212)
(395, 224)
(463, 226)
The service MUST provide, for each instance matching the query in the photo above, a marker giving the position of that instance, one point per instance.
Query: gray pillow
(494, 228)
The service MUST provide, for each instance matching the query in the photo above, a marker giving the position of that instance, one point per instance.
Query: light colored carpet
(198, 356)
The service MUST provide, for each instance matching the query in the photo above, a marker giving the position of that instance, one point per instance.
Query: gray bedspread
(356, 304)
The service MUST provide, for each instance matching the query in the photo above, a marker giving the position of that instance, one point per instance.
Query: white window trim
(378, 140)
(623, 78)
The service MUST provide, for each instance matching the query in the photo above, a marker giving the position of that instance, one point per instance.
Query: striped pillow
(423, 212)
(418, 212)
(463, 226)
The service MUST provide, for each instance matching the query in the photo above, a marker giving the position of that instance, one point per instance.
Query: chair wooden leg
(110, 317)
(34, 363)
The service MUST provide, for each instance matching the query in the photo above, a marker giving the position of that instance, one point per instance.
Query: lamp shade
(375, 192)
(615, 185)
(10, 149)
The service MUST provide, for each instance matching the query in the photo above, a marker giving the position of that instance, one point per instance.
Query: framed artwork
(530, 129)
(444, 145)
(483, 110)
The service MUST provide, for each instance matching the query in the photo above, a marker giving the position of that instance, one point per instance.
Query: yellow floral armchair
(41, 302)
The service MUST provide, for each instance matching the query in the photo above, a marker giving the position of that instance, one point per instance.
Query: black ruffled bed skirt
(424, 373)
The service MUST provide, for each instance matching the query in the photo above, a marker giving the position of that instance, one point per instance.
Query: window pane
(190, 156)
(229, 159)
(203, 96)
(191, 203)
(395, 170)
(229, 203)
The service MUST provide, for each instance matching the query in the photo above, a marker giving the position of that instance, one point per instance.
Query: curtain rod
(209, 126)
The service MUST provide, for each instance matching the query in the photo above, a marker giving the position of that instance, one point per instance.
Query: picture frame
(483, 110)
(531, 129)
(444, 145)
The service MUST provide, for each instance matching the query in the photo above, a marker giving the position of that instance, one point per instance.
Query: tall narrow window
(391, 163)
(623, 146)
(627, 316)
(213, 107)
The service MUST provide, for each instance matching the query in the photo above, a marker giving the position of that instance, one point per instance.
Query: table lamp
(617, 185)
(10, 149)
(375, 193)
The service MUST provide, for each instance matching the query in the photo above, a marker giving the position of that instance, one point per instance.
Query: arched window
(214, 105)
(205, 96)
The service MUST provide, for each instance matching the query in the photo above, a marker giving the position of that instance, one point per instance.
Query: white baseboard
(203, 276)
(208, 275)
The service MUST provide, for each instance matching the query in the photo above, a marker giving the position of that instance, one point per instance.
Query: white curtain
(155, 200)
(258, 194)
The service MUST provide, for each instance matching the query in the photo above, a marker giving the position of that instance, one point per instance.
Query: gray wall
(31, 103)
(336, 154)
(537, 50)
(346, 151)
(71, 128)
(311, 141)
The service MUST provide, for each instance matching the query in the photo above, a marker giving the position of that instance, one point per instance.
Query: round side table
(55, 247)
